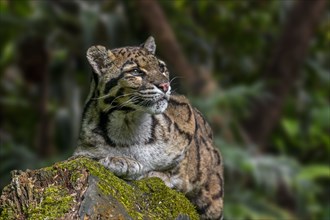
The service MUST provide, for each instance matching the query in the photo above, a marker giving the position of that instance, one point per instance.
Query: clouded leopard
(134, 126)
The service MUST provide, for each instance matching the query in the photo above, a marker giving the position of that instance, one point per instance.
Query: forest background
(257, 69)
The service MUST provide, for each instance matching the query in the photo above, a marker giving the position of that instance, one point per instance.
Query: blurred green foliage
(233, 40)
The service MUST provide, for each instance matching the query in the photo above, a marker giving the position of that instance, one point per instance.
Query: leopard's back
(202, 168)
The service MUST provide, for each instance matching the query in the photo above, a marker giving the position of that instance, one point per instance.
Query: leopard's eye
(137, 72)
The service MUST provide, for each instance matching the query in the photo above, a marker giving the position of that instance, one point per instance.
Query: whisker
(176, 77)
(121, 97)
(121, 104)
(105, 96)
(125, 103)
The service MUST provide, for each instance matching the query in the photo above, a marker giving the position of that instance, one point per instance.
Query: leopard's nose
(164, 86)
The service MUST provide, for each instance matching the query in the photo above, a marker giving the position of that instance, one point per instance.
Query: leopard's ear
(150, 45)
(100, 59)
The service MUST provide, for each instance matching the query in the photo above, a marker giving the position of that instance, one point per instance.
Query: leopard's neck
(128, 128)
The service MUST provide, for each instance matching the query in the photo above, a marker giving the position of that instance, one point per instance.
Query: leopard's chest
(156, 156)
(144, 138)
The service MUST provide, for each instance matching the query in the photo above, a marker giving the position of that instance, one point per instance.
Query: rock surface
(81, 188)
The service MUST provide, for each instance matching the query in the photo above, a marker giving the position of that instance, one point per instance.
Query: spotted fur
(134, 126)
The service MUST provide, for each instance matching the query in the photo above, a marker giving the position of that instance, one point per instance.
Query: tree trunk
(156, 22)
(81, 188)
(283, 69)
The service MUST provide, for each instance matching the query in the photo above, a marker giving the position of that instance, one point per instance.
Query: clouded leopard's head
(130, 78)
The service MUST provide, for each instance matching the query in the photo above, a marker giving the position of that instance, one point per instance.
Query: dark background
(257, 69)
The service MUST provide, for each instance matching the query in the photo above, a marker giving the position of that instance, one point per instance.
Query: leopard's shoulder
(188, 117)
(181, 112)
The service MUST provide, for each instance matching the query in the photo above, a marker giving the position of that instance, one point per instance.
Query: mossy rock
(81, 188)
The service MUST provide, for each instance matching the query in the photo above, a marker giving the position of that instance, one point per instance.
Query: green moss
(109, 184)
(161, 202)
(144, 198)
(56, 202)
(7, 213)
(75, 176)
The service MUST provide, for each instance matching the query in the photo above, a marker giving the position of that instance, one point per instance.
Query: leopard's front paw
(124, 167)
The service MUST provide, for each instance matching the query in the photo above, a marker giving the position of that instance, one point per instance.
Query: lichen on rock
(81, 188)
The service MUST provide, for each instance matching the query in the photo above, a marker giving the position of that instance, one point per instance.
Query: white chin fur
(158, 107)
